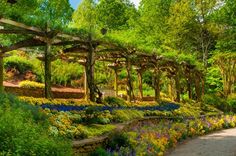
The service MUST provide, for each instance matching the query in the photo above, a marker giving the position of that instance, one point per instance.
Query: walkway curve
(222, 143)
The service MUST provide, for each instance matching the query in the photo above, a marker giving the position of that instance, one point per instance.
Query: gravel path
(222, 143)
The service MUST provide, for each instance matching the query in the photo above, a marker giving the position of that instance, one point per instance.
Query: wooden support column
(83, 63)
(47, 70)
(177, 86)
(116, 68)
(157, 76)
(116, 82)
(140, 83)
(129, 80)
(90, 71)
(85, 85)
(1, 74)
(171, 89)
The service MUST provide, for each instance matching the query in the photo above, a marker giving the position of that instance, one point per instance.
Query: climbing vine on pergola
(90, 51)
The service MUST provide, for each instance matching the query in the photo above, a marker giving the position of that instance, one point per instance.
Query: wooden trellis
(91, 51)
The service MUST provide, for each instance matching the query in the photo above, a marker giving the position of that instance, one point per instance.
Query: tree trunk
(1, 74)
(129, 80)
(197, 89)
(190, 94)
(47, 70)
(203, 87)
(157, 76)
(140, 82)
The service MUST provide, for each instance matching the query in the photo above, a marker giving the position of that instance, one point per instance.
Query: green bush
(217, 101)
(126, 115)
(114, 101)
(21, 64)
(63, 73)
(94, 116)
(23, 131)
(231, 101)
(31, 84)
(99, 152)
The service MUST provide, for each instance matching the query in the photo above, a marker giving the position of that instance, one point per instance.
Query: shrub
(217, 101)
(21, 64)
(118, 139)
(63, 73)
(126, 115)
(22, 134)
(114, 101)
(31, 84)
(231, 101)
(99, 152)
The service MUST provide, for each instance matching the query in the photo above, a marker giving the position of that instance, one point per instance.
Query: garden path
(221, 143)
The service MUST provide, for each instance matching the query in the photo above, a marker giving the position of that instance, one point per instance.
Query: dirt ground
(222, 143)
(57, 88)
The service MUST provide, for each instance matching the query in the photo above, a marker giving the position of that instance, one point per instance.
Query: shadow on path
(222, 143)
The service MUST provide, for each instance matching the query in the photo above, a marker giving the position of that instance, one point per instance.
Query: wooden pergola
(90, 51)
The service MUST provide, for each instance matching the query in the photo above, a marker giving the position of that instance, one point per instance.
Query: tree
(225, 17)
(85, 18)
(115, 14)
(227, 64)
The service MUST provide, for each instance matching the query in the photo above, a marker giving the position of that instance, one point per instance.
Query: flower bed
(166, 107)
(155, 139)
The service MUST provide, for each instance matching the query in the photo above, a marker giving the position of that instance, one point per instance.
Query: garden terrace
(91, 51)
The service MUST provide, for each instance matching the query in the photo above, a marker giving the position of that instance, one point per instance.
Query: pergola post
(140, 83)
(116, 82)
(1, 74)
(171, 89)
(177, 86)
(48, 72)
(90, 70)
(116, 68)
(85, 85)
(157, 76)
(83, 63)
(129, 80)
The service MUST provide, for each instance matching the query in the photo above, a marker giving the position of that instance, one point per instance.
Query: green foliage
(126, 115)
(118, 19)
(217, 101)
(114, 101)
(214, 80)
(118, 140)
(21, 64)
(94, 116)
(63, 73)
(22, 134)
(99, 152)
(85, 17)
(31, 84)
